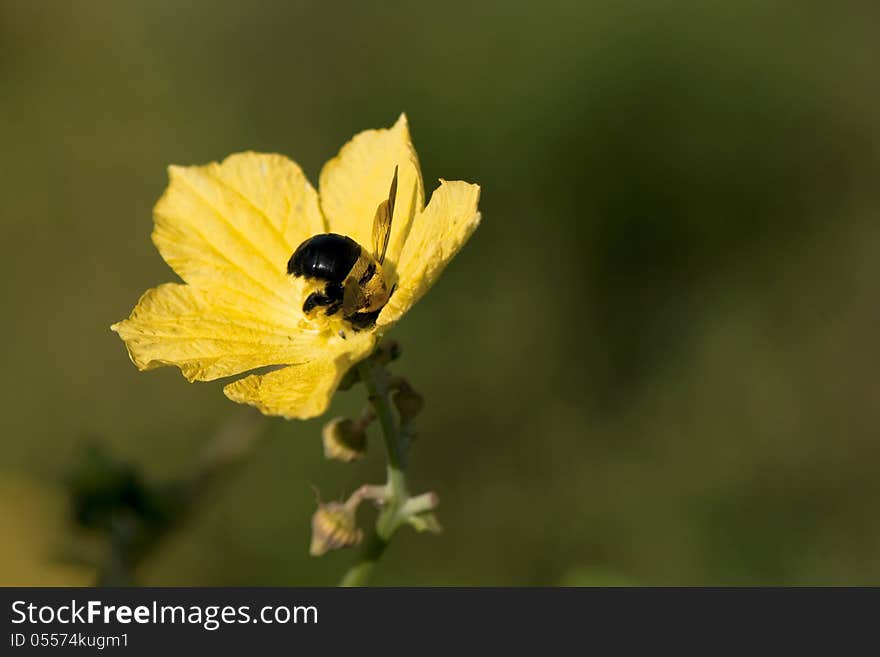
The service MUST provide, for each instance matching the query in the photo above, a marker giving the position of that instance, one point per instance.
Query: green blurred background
(654, 363)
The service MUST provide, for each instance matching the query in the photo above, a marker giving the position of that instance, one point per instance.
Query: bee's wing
(382, 222)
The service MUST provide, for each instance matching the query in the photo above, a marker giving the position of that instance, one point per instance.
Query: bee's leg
(331, 297)
(361, 321)
(334, 292)
(316, 299)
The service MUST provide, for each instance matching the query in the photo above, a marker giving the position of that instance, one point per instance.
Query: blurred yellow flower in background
(30, 518)
(229, 229)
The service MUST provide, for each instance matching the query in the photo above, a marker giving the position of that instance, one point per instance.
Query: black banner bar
(398, 621)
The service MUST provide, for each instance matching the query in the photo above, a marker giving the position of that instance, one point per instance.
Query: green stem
(359, 574)
(376, 381)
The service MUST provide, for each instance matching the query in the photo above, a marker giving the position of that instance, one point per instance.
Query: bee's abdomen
(328, 257)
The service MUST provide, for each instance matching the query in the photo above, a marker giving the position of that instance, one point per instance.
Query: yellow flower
(229, 229)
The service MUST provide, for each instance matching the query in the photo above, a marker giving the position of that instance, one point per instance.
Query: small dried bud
(426, 522)
(344, 440)
(333, 527)
(409, 403)
(387, 351)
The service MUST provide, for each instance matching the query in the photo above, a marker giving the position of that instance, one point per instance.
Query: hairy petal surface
(303, 390)
(436, 236)
(354, 183)
(235, 224)
(208, 335)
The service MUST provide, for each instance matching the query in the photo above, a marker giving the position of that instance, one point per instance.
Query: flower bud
(408, 402)
(333, 527)
(426, 522)
(388, 350)
(344, 440)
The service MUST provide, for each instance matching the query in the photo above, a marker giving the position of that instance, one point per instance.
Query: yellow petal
(208, 335)
(436, 236)
(302, 391)
(357, 180)
(236, 224)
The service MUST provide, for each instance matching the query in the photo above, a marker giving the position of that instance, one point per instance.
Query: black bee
(354, 280)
